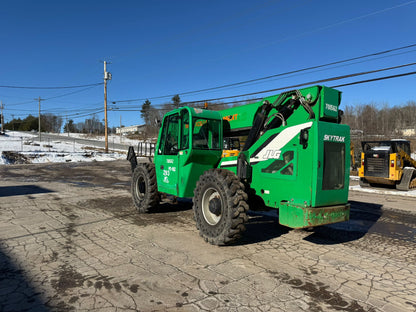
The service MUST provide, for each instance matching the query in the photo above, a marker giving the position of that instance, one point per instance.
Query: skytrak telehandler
(295, 158)
(387, 163)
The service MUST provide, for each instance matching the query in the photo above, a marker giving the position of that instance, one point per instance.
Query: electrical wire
(78, 115)
(374, 79)
(47, 88)
(272, 76)
(66, 94)
(96, 110)
(317, 30)
(92, 111)
(302, 84)
(248, 101)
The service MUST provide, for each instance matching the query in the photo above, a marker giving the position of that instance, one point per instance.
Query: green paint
(303, 217)
(306, 179)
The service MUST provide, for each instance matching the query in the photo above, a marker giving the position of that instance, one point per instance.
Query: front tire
(144, 187)
(220, 207)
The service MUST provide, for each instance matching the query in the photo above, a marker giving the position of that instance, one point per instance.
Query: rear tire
(144, 187)
(220, 207)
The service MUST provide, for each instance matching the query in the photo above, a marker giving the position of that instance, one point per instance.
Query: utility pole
(2, 118)
(107, 76)
(40, 138)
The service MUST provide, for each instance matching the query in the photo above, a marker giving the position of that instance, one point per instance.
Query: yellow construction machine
(387, 163)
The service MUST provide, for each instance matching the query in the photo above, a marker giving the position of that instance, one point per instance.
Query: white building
(408, 132)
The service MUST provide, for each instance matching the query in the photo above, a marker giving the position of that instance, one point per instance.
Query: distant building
(130, 129)
(408, 132)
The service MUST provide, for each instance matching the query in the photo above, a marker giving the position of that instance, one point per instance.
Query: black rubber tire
(144, 187)
(227, 227)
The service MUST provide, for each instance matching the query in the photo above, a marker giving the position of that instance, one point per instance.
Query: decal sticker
(334, 138)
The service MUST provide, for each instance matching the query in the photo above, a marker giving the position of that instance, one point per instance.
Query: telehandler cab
(295, 158)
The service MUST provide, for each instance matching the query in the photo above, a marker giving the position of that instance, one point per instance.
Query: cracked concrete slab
(70, 239)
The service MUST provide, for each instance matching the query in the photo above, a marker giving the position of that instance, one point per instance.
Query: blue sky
(163, 47)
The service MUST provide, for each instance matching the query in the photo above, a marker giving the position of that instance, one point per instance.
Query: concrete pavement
(71, 240)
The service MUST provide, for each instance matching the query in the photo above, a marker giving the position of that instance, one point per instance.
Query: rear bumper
(302, 217)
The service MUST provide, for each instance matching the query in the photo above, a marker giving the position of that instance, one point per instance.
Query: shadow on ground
(363, 217)
(261, 228)
(16, 292)
(22, 190)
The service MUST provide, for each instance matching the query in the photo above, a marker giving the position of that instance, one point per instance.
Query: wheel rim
(140, 187)
(210, 218)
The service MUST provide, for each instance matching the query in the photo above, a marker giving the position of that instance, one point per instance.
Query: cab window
(206, 134)
(185, 130)
(170, 136)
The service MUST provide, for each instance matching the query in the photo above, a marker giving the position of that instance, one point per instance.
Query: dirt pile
(14, 158)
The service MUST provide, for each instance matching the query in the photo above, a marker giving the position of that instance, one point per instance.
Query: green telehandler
(294, 157)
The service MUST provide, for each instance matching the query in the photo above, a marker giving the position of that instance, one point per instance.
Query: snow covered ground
(18, 147)
(379, 190)
(111, 138)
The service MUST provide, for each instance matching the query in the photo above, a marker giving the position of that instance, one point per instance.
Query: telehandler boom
(295, 158)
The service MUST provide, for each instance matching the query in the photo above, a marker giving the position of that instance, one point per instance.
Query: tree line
(48, 123)
(380, 120)
(53, 123)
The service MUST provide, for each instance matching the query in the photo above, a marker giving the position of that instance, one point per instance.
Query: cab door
(166, 160)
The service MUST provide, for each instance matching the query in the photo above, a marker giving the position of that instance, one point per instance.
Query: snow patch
(411, 193)
(17, 147)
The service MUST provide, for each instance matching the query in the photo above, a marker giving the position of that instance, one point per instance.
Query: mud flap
(406, 178)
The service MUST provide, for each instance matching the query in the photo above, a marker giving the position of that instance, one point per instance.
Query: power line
(95, 110)
(374, 79)
(54, 97)
(335, 86)
(85, 112)
(65, 87)
(291, 37)
(77, 115)
(273, 76)
(282, 88)
(66, 94)
(317, 81)
(304, 84)
(353, 19)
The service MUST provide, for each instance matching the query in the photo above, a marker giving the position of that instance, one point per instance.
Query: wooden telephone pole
(2, 118)
(39, 99)
(107, 76)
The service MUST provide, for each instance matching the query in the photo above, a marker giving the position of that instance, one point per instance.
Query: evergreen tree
(145, 112)
(176, 101)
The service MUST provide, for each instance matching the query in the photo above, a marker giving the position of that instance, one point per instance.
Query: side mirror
(304, 137)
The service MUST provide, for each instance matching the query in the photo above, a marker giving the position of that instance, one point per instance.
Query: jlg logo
(272, 154)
